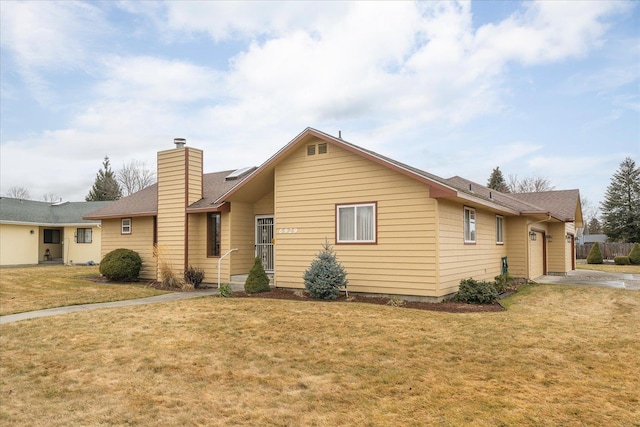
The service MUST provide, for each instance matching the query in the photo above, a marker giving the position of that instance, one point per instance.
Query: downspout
(220, 261)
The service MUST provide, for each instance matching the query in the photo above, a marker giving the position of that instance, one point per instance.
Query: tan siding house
(396, 229)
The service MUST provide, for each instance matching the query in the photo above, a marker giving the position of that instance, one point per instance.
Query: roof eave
(121, 215)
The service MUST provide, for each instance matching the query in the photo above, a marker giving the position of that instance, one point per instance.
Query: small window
(311, 150)
(51, 236)
(322, 148)
(499, 229)
(356, 223)
(213, 234)
(469, 225)
(126, 226)
(83, 235)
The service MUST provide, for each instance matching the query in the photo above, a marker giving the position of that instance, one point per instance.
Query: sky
(546, 89)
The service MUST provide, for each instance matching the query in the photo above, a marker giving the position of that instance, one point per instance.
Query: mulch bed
(301, 295)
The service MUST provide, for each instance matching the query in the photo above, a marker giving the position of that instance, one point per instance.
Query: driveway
(595, 278)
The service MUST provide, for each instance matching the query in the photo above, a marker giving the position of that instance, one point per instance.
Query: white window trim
(467, 226)
(499, 230)
(356, 206)
(125, 226)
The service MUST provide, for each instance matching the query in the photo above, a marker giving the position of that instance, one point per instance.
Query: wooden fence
(609, 250)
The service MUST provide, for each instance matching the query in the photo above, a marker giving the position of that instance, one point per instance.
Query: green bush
(503, 282)
(474, 292)
(121, 264)
(257, 281)
(595, 255)
(324, 278)
(622, 260)
(225, 290)
(194, 276)
(634, 255)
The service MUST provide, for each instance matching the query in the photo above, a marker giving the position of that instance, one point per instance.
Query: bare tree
(589, 214)
(51, 197)
(18, 193)
(528, 184)
(134, 176)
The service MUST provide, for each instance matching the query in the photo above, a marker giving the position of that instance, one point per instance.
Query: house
(396, 229)
(33, 232)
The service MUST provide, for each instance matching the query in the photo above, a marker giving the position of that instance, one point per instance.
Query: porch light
(568, 237)
(549, 238)
(533, 236)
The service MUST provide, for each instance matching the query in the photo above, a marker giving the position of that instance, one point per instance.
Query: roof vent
(180, 142)
(239, 173)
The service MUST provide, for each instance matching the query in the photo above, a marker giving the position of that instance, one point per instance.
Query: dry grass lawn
(610, 268)
(39, 287)
(558, 356)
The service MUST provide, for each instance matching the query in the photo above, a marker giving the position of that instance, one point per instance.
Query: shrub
(622, 260)
(634, 255)
(595, 255)
(194, 276)
(121, 264)
(168, 279)
(324, 278)
(257, 281)
(474, 292)
(225, 290)
(503, 282)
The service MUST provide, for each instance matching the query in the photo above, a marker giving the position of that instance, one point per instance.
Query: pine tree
(497, 182)
(324, 278)
(106, 186)
(257, 281)
(621, 206)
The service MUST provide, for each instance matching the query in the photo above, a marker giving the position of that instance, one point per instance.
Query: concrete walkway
(126, 303)
(595, 278)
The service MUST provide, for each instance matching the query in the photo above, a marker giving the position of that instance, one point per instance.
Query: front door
(264, 241)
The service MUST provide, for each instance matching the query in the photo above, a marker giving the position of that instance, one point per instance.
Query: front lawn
(610, 268)
(38, 287)
(559, 355)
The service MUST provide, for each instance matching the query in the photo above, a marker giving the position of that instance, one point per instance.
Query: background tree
(590, 216)
(594, 227)
(621, 205)
(18, 193)
(51, 197)
(134, 176)
(497, 182)
(105, 187)
(529, 184)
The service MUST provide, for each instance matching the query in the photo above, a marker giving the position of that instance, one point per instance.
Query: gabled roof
(17, 211)
(561, 204)
(145, 202)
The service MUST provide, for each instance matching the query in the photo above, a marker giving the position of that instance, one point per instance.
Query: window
(499, 229)
(311, 150)
(51, 236)
(213, 234)
(356, 223)
(83, 235)
(126, 226)
(322, 148)
(469, 225)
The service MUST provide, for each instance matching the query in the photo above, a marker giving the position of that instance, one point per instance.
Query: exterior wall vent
(322, 148)
(311, 150)
(180, 142)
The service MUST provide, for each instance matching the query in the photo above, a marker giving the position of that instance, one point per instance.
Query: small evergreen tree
(634, 255)
(621, 206)
(497, 182)
(595, 255)
(106, 186)
(257, 281)
(324, 278)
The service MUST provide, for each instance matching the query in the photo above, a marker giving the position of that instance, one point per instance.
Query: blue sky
(547, 89)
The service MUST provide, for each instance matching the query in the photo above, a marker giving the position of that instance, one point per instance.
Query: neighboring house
(592, 238)
(396, 229)
(32, 232)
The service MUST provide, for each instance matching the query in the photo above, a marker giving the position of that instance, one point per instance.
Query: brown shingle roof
(561, 204)
(145, 202)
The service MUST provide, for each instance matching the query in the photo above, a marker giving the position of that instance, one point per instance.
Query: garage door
(537, 256)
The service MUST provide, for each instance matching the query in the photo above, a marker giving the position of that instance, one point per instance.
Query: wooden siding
(18, 246)
(140, 240)
(458, 261)
(264, 206)
(557, 249)
(242, 226)
(517, 242)
(179, 184)
(198, 247)
(307, 189)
